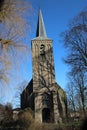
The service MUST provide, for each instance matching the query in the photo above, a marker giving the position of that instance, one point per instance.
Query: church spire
(40, 27)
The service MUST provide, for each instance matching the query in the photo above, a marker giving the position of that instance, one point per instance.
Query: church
(43, 95)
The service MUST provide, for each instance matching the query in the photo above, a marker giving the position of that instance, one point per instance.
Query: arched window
(45, 100)
(42, 49)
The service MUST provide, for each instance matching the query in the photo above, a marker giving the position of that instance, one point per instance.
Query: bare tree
(71, 97)
(76, 93)
(80, 85)
(14, 20)
(75, 40)
(19, 89)
(14, 12)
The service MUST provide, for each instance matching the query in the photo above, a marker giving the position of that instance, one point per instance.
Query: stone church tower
(43, 95)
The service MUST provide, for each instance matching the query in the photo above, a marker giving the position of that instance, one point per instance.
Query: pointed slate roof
(40, 33)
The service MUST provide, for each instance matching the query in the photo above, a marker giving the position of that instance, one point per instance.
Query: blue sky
(56, 15)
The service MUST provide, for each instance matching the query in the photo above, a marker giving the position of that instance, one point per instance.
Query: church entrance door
(46, 115)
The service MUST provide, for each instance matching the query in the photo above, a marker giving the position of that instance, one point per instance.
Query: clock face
(42, 49)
